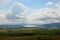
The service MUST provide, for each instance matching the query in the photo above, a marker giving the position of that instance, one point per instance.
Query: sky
(29, 11)
(34, 4)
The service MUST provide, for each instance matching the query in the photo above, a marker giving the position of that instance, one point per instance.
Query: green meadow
(30, 34)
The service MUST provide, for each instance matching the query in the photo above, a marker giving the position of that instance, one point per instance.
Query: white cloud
(5, 2)
(43, 16)
(58, 8)
(17, 14)
(2, 14)
(49, 3)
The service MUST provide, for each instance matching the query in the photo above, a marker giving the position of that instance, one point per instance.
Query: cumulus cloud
(2, 17)
(45, 15)
(18, 14)
(5, 2)
(58, 8)
(49, 3)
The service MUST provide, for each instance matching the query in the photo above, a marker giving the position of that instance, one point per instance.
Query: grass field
(30, 34)
(42, 37)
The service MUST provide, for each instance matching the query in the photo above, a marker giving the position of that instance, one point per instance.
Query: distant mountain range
(51, 25)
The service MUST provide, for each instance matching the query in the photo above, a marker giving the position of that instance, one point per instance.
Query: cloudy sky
(29, 11)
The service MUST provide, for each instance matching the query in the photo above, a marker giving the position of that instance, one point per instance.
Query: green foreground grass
(30, 34)
(42, 37)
